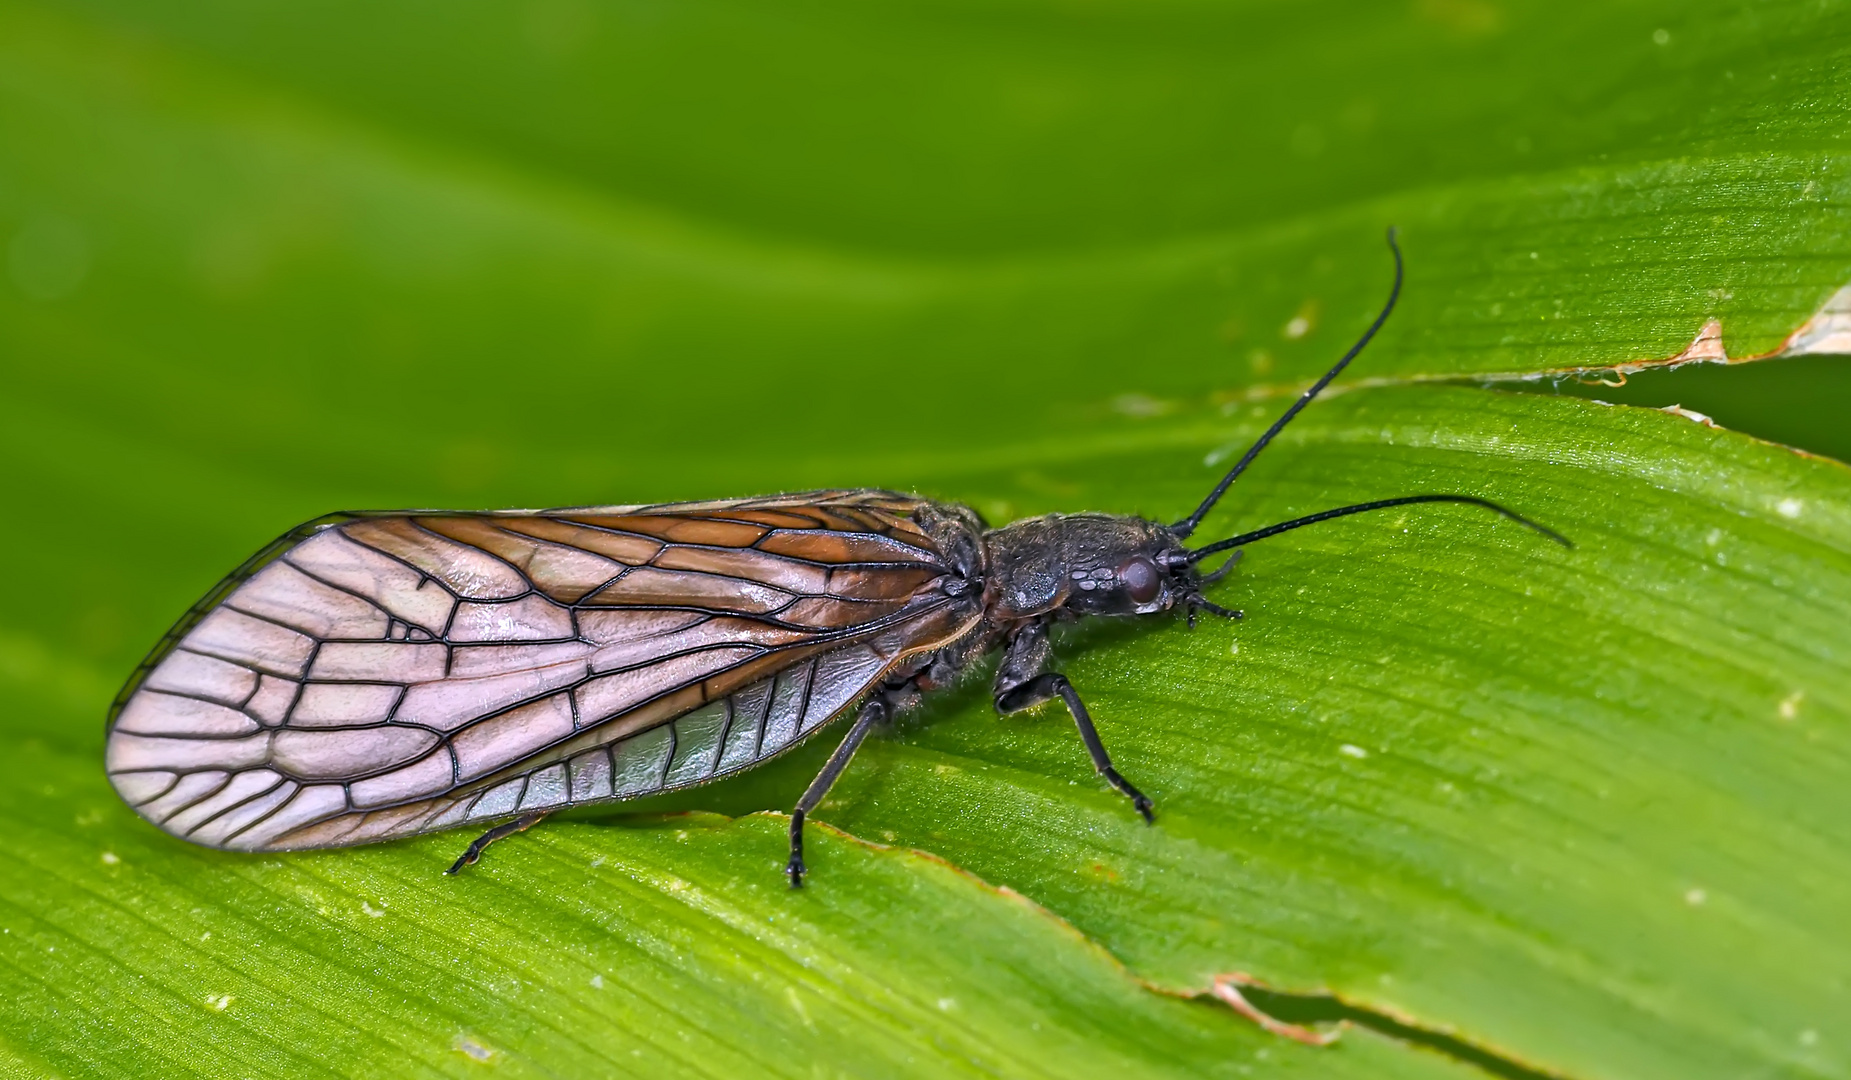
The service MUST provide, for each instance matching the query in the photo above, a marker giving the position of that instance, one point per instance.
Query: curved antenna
(1201, 553)
(1187, 525)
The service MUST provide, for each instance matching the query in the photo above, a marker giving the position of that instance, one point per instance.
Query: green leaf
(1580, 809)
(1586, 806)
(672, 948)
(364, 191)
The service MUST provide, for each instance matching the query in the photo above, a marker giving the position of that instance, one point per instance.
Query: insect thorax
(1083, 564)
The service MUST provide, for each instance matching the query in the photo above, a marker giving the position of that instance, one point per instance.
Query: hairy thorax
(1078, 563)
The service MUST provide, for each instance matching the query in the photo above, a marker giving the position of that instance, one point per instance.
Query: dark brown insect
(378, 675)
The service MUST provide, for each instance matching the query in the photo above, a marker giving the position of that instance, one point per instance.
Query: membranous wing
(379, 675)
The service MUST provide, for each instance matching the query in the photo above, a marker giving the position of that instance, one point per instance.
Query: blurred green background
(264, 261)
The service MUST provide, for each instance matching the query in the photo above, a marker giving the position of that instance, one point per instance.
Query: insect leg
(1017, 689)
(506, 828)
(1051, 685)
(874, 712)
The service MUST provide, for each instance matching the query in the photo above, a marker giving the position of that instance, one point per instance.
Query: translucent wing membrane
(379, 675)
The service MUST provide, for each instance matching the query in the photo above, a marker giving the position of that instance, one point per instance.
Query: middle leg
(1018, 687)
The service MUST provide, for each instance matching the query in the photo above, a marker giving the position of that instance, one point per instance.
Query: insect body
(379, 675)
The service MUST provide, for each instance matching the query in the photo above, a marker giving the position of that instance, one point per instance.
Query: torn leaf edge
(1827, 332)
(1226, 988)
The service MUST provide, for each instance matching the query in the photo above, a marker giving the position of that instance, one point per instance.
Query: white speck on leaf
(375, 912)
(1809, 1037)
(1790, 508)
(1352, 750)
(1696, 897)
(1141, 405)
(110, 858)
(468, 1045)
(1234, 648)
(946, 1004)
(597, 982)
(1790, 705)
(219, 1003)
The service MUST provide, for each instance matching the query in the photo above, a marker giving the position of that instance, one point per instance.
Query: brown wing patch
(886, 583)
(746, 564)
(684, 529)
(626, 548)
(561, 571)
(845, 548)
(647, 586)
(472, 569)
(773, 519)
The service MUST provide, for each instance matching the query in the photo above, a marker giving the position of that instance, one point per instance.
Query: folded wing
(381, 675)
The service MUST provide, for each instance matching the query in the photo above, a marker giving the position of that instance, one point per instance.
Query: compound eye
(1141, 580)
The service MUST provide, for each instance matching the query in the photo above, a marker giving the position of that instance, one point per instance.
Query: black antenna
(1380, 504)
(1187, 525)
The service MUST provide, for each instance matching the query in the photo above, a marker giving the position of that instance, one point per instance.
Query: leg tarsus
(794, 869)
(506, 828)
(1138, 799)
(1214, 609)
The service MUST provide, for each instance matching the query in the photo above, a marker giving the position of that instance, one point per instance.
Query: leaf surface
(1588, 806)
(1585, 809)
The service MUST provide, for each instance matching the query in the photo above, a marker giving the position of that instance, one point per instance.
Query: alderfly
(377, 675)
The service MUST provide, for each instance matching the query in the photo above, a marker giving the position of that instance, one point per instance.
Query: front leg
(1023, 683)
